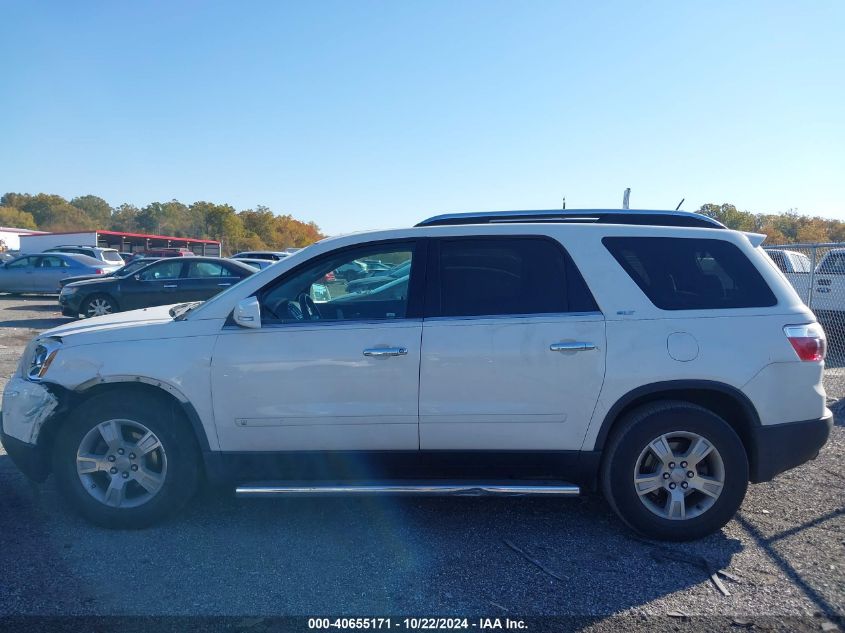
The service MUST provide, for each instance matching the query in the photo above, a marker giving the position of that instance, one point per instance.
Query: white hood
(132, 318)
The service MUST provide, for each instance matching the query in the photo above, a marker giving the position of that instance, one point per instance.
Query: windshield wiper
(178, 312)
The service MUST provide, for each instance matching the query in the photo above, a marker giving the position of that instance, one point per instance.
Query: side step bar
(464, 489)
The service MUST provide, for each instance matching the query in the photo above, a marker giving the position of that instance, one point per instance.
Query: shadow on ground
(340, 556)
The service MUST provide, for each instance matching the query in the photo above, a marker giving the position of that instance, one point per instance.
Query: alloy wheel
(121, 463)
(98, 307)
(679, 475)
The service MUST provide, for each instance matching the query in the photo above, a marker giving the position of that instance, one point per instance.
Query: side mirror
(248, 313)
(138, 277)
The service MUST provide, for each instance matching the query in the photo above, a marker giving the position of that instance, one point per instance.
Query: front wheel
(99, 305)
(675, 471)
(125, 460)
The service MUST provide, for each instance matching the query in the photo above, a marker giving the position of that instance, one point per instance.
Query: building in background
(11, 237)
(36, 242)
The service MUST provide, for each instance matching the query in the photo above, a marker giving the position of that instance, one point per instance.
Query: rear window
(112, 256)
(691, 274)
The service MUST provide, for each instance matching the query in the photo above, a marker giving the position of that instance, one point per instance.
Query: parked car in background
(260, 264)
(826, 296)
(44, 273)
(350, 270)
(271, 255)
(106, 255)
(165, 281)
(128, 257)
(790, 261)
(167, 252)
(133, 266)
(379, 278)
(7, 256)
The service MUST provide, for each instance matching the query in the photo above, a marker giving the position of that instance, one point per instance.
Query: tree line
(250, 229)
(789, 227)
(260, 228)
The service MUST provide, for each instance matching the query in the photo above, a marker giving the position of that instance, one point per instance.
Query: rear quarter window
(112, 256)
(691, 273)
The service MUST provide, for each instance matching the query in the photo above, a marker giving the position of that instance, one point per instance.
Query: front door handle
(224, 285)
(574, 346)
(384, 352)
(171, 285)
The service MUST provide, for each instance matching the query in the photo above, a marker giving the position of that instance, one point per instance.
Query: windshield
(133, 267)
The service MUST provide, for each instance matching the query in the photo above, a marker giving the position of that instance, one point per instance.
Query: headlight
(69, 290)
(42, 357)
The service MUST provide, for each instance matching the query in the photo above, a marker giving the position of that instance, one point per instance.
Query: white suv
(656, 356)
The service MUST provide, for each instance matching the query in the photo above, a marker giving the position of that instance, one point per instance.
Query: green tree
(730, 216)
(125, 218)
(260, 222)
(15, 218)
(95, 208)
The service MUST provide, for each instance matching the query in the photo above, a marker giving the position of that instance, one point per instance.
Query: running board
(433, 488)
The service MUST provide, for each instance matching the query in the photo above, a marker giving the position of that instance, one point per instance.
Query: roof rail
(578, 216)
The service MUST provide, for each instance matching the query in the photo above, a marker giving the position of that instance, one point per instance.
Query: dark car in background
(135, 265)
(274, 256)
(167, 252)
(260, 264)
(379, 277)
(166, 281)
(44, 273)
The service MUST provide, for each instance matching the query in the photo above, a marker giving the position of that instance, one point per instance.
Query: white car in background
(656, 356)
(823, 289)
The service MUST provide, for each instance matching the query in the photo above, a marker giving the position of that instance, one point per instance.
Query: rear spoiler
(755, 238)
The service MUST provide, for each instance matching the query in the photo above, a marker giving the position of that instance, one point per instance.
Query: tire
(109, 492)
(689, 510)
(99, 305)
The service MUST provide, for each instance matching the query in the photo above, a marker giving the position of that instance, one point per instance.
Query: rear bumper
(776, 448)
(29, 458)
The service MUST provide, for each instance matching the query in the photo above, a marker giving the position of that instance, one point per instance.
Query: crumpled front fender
(26, 407)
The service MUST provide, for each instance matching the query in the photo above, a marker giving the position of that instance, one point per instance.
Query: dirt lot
(784, 552)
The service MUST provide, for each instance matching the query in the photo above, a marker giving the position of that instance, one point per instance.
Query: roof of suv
(102, 248)
(579, 216)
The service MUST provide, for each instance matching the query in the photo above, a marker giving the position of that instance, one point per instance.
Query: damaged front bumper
(26, 407)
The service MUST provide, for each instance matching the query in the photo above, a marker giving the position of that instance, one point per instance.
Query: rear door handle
(171, 285)
(575, 346)
(385, 352)
(224, 285)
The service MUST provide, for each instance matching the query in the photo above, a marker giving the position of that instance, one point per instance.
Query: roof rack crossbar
(595, 216)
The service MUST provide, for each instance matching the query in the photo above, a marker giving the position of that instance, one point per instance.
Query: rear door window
(52, 262)
(691, 274)
(204, 270)
(164, 270)
(507, 276)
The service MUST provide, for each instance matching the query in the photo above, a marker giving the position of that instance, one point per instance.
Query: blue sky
(376, 114)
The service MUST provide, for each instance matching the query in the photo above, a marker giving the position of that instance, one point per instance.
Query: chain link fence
(817, 272)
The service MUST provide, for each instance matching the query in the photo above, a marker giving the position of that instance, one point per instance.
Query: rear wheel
(675, 471)
(99, 305)
(126, 460)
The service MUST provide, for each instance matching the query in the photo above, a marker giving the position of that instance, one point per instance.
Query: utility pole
(625, 198)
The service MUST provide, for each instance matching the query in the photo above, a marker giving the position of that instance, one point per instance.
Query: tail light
(808, 341)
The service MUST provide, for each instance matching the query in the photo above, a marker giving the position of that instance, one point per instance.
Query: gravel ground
(785, 551)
